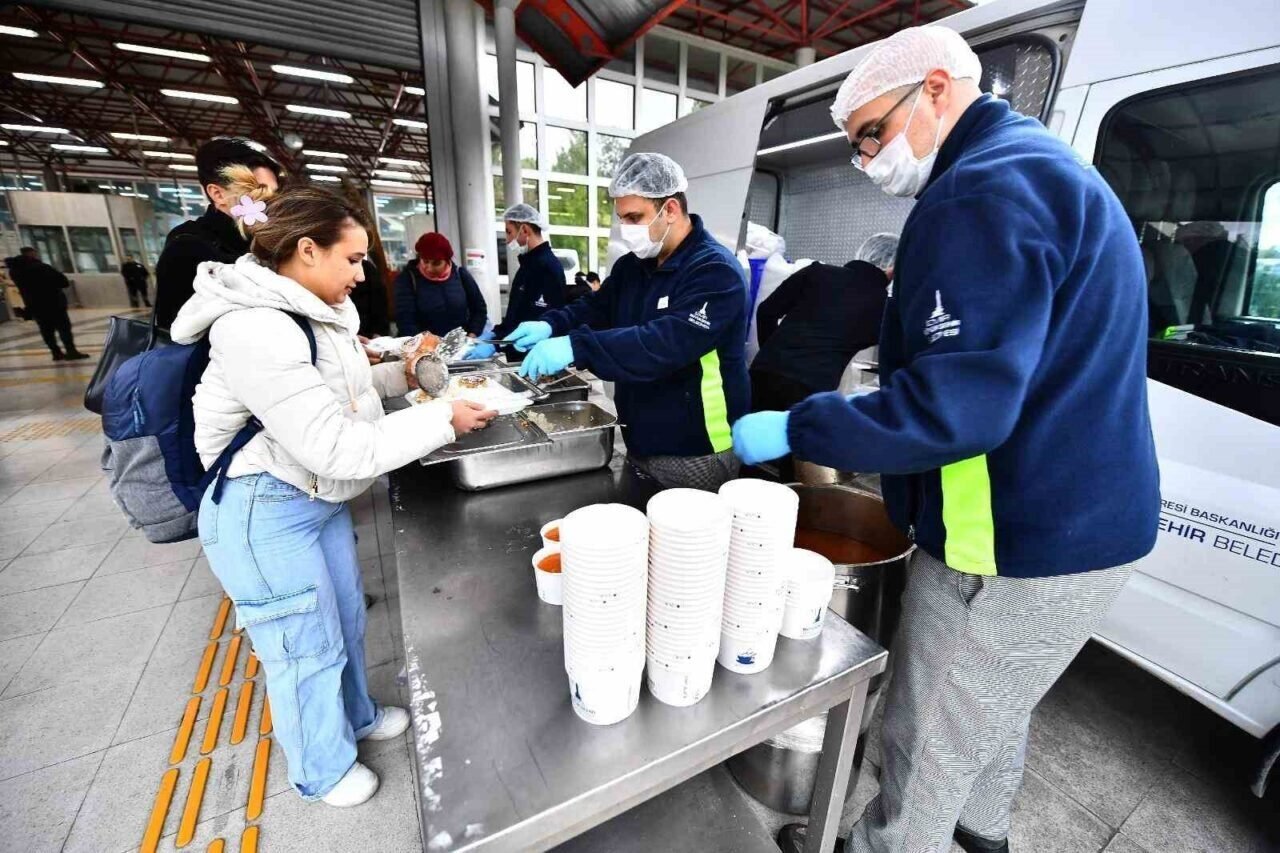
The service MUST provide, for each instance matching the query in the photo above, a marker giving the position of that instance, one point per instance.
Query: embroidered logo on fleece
(700, 319)
(940, 324)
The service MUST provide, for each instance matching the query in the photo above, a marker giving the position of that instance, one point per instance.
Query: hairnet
(649, 176)
(904, 59)
(522, 213)
(879, 249)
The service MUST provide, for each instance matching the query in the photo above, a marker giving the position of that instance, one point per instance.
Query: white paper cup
(680, 688)
(746, 655)
(802, 621)
(603, 699)
(547, 528)
(550, 584)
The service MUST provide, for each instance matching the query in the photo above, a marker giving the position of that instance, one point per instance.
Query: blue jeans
(290, 566)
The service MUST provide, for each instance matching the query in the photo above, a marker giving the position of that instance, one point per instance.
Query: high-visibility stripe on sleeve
(967, 517)
(715, 409)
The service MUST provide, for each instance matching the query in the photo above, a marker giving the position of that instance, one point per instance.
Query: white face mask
(896, 169)
(636, 238)
(514, 246)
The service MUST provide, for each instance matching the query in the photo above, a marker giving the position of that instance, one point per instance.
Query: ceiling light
(377, 182)
(813, 140)
(325, 167)
(409, 122)
(415, 90)
(329, 178)
(141, 137)
(169, 155)
(105, 187)
(61, 81)
(392, 173)
(182, 167)
(295, 71)
(332, 155)
(132, 195)
(86, 149)
(35, 128)
(162, 51)
(317, 111)
(400, 161)
(3, 143)
(199, 96)
(18, 31)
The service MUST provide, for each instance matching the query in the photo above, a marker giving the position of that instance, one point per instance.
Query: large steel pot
(780, 772)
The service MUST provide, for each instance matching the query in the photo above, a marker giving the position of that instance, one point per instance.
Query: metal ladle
(432, 373)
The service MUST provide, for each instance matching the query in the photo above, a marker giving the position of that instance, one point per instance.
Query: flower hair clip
(250, 211)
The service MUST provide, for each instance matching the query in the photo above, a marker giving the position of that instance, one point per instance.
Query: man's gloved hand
(761, 437)
(550, 356)
(529, 333)
(480, 350)
(486, 335)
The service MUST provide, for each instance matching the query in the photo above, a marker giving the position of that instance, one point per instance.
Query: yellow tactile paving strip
(36, 430)
(220, 639)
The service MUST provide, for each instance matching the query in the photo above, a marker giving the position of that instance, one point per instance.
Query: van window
(1196, 167)
(1020, 71)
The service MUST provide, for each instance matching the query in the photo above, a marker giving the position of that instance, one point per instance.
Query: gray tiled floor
(101, 633)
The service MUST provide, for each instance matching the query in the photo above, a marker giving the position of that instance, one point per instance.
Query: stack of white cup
(604, 559)
(688, 554)
(810, 578)
(763, 533)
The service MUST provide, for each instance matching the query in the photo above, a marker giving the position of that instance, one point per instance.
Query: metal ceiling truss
(778, 28)
(130, 101)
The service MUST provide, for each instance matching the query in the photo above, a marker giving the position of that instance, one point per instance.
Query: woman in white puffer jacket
(281, 539)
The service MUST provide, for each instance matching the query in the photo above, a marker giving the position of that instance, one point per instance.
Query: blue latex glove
(529, 333)
(486, 335)
(480, 350)
(761, 437)
(550, 356)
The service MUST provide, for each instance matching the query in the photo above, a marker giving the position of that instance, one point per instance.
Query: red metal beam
(773, 15)
(739, 22)
(831, 25)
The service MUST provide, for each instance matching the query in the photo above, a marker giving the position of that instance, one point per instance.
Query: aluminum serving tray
(580, 439)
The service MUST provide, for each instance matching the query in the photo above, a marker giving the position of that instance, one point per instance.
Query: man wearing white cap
(668, 328)
(1011, 427)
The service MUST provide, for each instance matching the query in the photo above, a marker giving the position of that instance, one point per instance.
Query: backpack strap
(251, 428)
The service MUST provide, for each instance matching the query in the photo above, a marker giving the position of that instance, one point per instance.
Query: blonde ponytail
(238, 180)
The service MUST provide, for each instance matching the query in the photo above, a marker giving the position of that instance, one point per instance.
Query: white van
(1178, 106)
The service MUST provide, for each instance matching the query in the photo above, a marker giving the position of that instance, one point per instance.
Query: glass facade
(572, 139)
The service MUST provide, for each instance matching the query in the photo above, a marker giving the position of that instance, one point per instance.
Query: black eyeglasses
(868, 143)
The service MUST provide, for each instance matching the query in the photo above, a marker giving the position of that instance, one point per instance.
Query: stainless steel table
(503, 763)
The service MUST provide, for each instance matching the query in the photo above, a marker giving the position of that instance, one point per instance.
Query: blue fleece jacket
(438, 307)
(673, 338)
(1012, 419)
(538, 286)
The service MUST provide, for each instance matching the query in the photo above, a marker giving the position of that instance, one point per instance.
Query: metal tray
(571, 389)
(502, 433)
(469, 365)
(580, 438)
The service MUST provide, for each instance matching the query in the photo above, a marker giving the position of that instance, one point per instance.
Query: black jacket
(370, 299)
(42, 287)
(438, 306)
(135, 274)
(830, 313)
(212, 237)
(538, 287)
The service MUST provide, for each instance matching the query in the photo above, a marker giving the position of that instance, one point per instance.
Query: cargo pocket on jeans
(285, 627)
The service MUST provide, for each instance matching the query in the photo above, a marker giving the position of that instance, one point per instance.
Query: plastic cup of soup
(546, 572)
(551, 534)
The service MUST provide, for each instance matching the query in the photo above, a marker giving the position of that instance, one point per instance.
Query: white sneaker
(392, 722)
(357, 786)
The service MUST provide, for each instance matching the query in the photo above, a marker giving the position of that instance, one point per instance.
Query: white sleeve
(267, 364)
(389, 380)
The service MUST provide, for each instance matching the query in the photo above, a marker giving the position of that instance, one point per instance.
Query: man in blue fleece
(669, 328)
(1011, 427)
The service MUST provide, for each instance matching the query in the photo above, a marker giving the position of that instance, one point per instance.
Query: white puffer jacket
(324, 429)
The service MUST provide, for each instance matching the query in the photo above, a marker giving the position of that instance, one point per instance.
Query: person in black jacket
(538, 286)
(43, 291)
(370, 299)
(434, 294)
(214, 236)
(814, 323)
(135, 281)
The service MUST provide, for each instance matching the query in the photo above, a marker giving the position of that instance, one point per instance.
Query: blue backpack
(155, 474)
